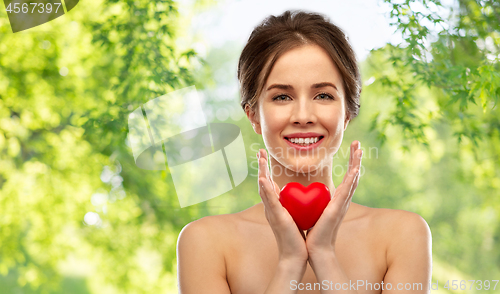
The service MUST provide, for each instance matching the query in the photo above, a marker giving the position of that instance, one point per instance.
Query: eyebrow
(289, 87)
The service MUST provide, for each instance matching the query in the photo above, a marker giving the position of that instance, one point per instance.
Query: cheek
(332, 117)
(273, 120)
(335, 128)
(333, 122)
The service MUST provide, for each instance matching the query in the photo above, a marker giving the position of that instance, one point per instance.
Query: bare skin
(251, 255)
(261, 250)
(237, 253)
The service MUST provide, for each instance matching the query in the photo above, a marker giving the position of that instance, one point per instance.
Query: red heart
(305, 204)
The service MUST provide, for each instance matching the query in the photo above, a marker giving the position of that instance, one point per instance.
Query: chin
(303, 164)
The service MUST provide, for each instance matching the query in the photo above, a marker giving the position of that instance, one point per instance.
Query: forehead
(307, 64)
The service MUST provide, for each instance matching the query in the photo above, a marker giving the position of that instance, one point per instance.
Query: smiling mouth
(304, 141)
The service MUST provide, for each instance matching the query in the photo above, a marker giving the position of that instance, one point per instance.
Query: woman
(299, 79)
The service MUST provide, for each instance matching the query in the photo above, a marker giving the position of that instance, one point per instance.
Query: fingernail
(257, 155)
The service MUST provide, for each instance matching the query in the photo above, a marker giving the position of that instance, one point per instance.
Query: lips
(303, 135)
(304, 141)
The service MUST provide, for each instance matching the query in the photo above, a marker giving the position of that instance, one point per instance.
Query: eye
(325, 96)
(280, 97)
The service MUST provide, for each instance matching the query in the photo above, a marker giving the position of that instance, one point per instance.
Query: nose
(303, 112)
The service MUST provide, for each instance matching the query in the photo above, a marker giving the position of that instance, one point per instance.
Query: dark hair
(278, 34)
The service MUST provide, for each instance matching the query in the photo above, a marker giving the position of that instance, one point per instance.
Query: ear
(253, 117)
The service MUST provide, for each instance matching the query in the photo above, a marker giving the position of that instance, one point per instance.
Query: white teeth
(304, 140)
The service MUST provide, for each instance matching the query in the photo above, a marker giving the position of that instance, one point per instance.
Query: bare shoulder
(407, 236)
(390, 221)
(201, 262)
(213, 231)
(209, 229)
(403, 223)
(396, 227)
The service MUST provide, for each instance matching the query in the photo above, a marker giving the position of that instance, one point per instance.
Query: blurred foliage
(434, 118)
(458, 55)
(67, 87)
(452, 189)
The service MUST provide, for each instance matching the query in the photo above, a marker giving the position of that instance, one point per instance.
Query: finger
(272, 202)
(263, 194)
(262, 169)
(357, 159)
(263, 166)
(355, 145)
(259, 170)
(350, 175)
(350, 163)
(343, 191)
(261, 180)
(356, 180)
(353, 188)
(302, 233)
(266, 170)
(276, 188)
(269, 190)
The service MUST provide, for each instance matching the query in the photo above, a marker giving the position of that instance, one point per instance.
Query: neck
(283, 176)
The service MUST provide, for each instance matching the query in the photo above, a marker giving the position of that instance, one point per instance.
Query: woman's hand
(290, 239)
(321, 238)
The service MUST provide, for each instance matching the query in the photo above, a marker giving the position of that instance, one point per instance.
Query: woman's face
(301, 111)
